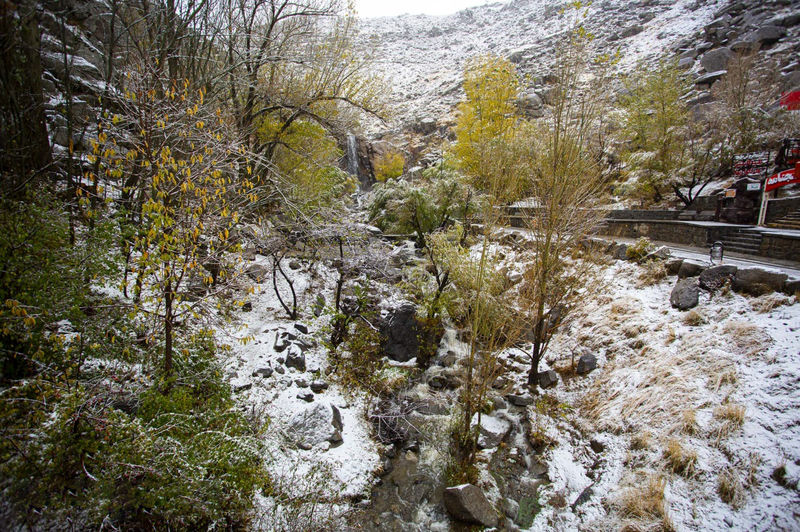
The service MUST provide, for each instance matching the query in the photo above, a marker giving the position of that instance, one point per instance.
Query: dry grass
(646, 502)
(689, 421)
(641, 441)
(731, 418)
(727, 377)
(652, 272)
(747, 339)
(693, 318)
(730, 488)
(680, 459)
(770, 302)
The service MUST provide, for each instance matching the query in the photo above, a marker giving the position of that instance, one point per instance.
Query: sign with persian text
(781, 179)
(750, 164)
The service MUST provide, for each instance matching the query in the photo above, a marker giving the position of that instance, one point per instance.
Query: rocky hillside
(423, 56)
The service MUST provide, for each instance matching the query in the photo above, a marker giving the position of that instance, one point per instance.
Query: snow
(641, 392)
(343, 470)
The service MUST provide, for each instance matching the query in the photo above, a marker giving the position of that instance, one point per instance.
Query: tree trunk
(169, 296)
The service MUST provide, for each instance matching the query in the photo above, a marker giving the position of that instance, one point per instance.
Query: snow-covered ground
(676, 380)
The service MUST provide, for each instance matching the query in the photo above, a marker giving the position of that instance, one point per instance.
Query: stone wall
(668, 231)
(780, 246)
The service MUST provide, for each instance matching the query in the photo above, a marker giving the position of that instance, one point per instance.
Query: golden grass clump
(746, 338)
(770, 302)
(652, 272)
(647, 502)
(689, 421)
(693, 318)
(730, 488)
(641, 441)
(679, 459)
(731, 418)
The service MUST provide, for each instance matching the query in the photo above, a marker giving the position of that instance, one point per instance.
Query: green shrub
(639, 250)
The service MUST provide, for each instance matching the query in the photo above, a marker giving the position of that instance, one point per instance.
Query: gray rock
(280, 369)
(520, 400)
(620, 252)
(547, 379)
(791, 287)
(257, 272)
(303, 329)
(510, 508)
(673, 266)
(300, 382)
(468, 503)
(586, 363)
(402, 333)
(685, 295)
(316, 423)
(769, 34)
(242, 387)
(716, 60)
(686, 63)
(714, 277)
(280, 344)
(630, 32)
(690, 269)
(492, 430)
(295, 358)
(319, 386)
(661, 253)
(294, 264)
(448, 359)
(755, 281)
(247, 307)
(262, 372)
(710, 78)
(306, 396)
(582, 498)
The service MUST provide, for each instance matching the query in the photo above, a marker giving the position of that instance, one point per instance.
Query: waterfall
(352, 155)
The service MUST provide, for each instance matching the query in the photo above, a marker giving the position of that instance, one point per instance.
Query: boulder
(295, 358)
(262, 372)
(520, 399)
(547, 379)
(716, 60)
(586, 363)
(661, 253)
(673, 266)
(402, 332)
(257, 272)
(685, 295)
(686, 63)
(690, 269)
(710, 78)
(306, 396)
(314, 424)
(319, 386)
(468, 503)
(714, 277)
(620, 252)
(755, 281)
(769, 34)
(492, 430)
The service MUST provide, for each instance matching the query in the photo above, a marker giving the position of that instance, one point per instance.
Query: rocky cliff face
(424, 56)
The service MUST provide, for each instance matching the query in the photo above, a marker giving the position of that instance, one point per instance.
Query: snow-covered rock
(317, 423)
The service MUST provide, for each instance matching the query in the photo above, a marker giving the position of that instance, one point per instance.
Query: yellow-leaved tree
(176, 162)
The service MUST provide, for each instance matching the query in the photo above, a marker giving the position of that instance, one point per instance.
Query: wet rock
(520, 399)
(402, 333)
(295, 358)
(690, 269)
(468, 503)
(685, 295)
(547, 379)
(586, 364)
(263, 372)
(492, 430)
(316, 423)
(714, 277)
(319, 386)
(306, 396)
(756, 282)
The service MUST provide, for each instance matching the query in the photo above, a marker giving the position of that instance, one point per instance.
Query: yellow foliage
(389, 166)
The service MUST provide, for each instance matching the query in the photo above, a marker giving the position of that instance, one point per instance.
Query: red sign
(750, 164)
(784, 178)
(791, 100)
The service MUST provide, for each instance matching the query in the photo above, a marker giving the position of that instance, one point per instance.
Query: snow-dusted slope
(424, 56)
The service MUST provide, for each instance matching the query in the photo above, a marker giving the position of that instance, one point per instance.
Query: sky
(383, 8)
